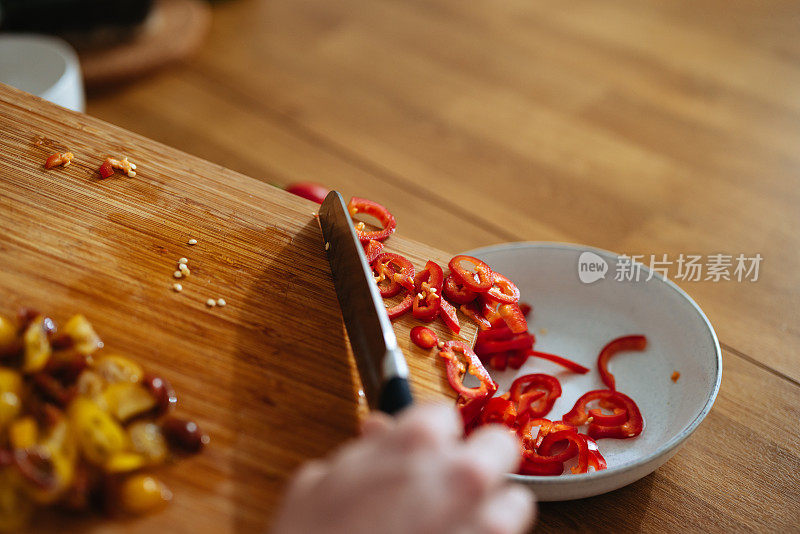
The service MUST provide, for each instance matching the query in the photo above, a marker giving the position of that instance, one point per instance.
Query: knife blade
(381, 364)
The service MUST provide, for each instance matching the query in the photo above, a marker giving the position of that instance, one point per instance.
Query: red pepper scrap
(394, 269)
(428, 292)
(480, 280)
(368, 207)
(618, 345)
(569, 364)
(524, 391)
(424, 337)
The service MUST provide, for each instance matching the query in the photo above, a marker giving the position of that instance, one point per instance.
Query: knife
(381, 364)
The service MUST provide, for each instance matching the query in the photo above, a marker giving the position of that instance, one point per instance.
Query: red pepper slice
(309, 191)
(471, 310)
(105, 169)
(516, 342)
(471, 409)
(613, 347)
(399, 309)
(424, 337)
(428, 283)
(569, 364)
(368, 207)
(499, 410)
(523, 388)
(619, 416)
(495, 334)
(532, 464)
(503, 290)
(448, 314)
(632, 427)
(499, 361)
(456, 369)
(513, 317)
(525, 431)
(596, 459)
(456, 292)
(577, 444)
(479, 281)
(372, 250)
(517, 358)
(395, 269)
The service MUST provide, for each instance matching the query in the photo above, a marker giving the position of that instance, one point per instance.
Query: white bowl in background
(576, 319)
(44, 66)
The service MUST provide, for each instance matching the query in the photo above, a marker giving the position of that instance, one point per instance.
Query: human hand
(413, 474)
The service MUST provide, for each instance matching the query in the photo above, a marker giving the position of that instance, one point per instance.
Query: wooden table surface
(642, 127)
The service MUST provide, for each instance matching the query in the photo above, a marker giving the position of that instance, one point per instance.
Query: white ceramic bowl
(44, 66)
(576, 319)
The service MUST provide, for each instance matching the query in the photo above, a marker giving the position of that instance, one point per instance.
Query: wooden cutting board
(270, 376)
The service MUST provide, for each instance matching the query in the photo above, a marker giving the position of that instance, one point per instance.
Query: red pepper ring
(596, 459)
(525, 431)
(428, 292)
(619, 416)
(368, 207)
(456, 369)
(372, 250)
(471, 409)
(504, 290)
(632, 427)
(513, 317)
(533, 464)
(456, 292)
(531, 406)
(617, 345)
(424, 337)
(399, 309)
(471, 310)
(564, 362)
(499, 410)
(395, 269)
(577, 445)
(516, 342)
(479, 281)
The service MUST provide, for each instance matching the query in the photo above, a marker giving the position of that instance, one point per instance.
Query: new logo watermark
(687, 267)
(591, 267)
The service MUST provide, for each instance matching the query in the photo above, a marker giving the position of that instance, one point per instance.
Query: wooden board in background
(270, 376)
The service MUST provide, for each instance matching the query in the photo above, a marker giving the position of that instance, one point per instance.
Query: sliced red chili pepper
(424, 337)
(613, 347)
(569, 364)
(619, 416)
(471, 310)
(499, 361)
(309, 190)
(513, 317)
(517, 358)
(516, 342)
(449, 316)
(368, 207)
(525, 431)
(525, 308)
(456, 292)
(105, 169)
(499, 410)
(503, 290)
(632, 427)
(471, 409)
(577, 445)
(596, 459)
(372, 250)
(456, 369)
(428, 283)
(395, 269)
(523, 387)
(399, 309)
(495, 334)
(532, 464)
(479, 280)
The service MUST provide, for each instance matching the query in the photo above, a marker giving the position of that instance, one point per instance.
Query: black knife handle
(395, 395)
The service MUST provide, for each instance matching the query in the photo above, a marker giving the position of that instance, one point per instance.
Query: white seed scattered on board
(185, 271)
(221, 302)
(192, 241)
(177, 274)
(183, 268)
(360, 226)
(177, 287)
(211, 303)
(327, 246)
(184, 261)
(420, 295)
(440, 344)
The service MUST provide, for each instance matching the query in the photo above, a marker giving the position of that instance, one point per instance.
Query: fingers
(509, 511)
(435, 426)
(376, 424)
(308, 476)
(495, 448)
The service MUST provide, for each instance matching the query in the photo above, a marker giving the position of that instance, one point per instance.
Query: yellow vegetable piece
(98, 435)
(8, 332)
(15, 507)
(141, 494)
(23, 433)
(147, 439)
(125, 399)
(10, 390)
(37, 346)
(85, 339)
(113, 368)
(123, 462)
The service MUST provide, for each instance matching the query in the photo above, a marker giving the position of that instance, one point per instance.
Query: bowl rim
(676, 440)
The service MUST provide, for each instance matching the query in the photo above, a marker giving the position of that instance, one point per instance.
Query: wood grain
(270, 376)
(643, 127)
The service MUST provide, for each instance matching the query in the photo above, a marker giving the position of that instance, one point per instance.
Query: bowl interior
(576, 319)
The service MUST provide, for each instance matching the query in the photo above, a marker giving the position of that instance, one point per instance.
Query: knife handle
(395, 395)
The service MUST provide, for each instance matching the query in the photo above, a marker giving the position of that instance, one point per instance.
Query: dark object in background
(56, 16)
